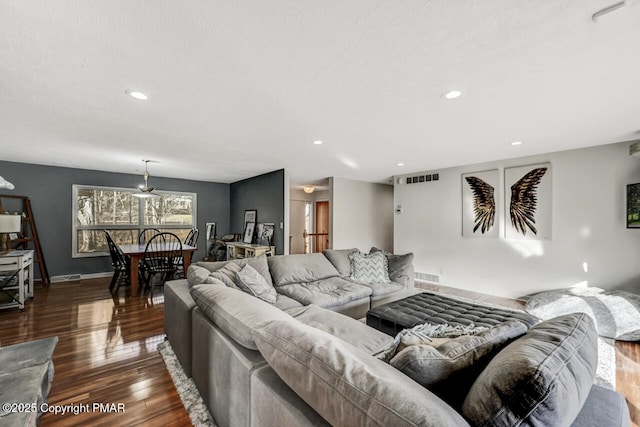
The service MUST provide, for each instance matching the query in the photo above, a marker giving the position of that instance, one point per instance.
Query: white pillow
(250, 281)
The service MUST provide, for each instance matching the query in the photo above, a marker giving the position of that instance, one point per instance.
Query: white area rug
(187, 390)
(606, 372)
(615, 313)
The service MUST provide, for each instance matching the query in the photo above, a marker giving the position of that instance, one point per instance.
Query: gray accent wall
(49, 189)
(265, 193)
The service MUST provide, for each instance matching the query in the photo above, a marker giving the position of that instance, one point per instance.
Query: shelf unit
(16, 278)
(238, 250)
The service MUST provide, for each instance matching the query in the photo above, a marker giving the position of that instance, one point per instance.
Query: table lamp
(8, 224)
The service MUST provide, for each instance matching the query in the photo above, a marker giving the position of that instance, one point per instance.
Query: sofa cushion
(369, 268)
(227, 274)
(542, 378)
(378, 289)
(345, 385)
(196, 275)
(300, 268)
(399, 266)
(449, 368)
(340, 260)
(350, 330)
(325, 293)
(250, 281)
(283, 302)
(259, 263)
(234, 311)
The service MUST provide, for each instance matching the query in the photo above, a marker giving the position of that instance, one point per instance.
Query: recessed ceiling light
(452, 94)
(514, 143)
(317, 142)
(137, 95)
(399, 164)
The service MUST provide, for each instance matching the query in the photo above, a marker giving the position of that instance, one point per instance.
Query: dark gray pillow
(542, 378)
(340, 260)
(449, 369)
(399, 265)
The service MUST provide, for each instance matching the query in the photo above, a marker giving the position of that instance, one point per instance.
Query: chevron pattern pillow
(368, 269)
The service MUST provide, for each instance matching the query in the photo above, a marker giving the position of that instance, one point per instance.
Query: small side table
(16, 278)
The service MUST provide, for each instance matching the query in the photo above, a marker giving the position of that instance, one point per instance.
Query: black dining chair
(146, 235)
(190, 240)
(161, 260)
(120, 263)
(192, 237)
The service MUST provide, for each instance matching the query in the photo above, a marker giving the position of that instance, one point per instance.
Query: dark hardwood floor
(107, 353)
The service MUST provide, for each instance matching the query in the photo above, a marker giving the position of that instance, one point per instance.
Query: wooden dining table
(136, 252)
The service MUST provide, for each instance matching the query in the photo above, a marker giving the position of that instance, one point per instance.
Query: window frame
(140, 226)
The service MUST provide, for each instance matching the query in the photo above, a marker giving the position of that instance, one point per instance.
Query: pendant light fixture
(145, 190)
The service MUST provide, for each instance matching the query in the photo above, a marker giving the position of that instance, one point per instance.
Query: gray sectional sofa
(305, 360)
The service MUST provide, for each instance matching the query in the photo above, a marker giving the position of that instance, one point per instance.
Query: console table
(237, 250)
(16, 278)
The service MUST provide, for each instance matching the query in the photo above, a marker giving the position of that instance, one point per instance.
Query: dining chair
(162, 257)
(146, 235)
(120, 263)
(192, 237)
(190, 240)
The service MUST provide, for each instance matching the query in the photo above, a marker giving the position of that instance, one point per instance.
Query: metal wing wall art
(484, 203)
(524, 199)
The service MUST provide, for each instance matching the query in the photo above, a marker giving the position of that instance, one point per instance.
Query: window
(116, 209)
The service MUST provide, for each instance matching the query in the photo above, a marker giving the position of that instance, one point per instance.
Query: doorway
(321, 238)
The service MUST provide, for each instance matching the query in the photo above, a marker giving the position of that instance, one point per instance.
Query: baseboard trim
(77, 276)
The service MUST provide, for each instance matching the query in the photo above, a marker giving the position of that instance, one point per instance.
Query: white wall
(589, 226)
(361, 214)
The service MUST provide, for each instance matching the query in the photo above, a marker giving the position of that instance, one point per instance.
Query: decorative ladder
(29, 234)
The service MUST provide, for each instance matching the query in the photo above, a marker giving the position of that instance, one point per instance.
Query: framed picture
(249, 216)
(528, 202)
(248, 232)
(211, 231)
(481, 204)
(633, 205)
(259, 231)
(266, 237)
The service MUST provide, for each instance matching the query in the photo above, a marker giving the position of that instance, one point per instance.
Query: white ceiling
(241, 87)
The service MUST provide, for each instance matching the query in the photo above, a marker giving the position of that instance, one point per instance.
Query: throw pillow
(340, 260)
(227, 274)
(250, 281)
(399, 265)
(426, 333)
(449, 369)
(368, 269)
(542, 378)
(196, 275)
(345, 385)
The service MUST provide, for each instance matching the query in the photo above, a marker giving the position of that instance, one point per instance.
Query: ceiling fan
(145, 190)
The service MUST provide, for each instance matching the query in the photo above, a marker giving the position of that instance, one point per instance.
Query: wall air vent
(422, 178)
(434, 278)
